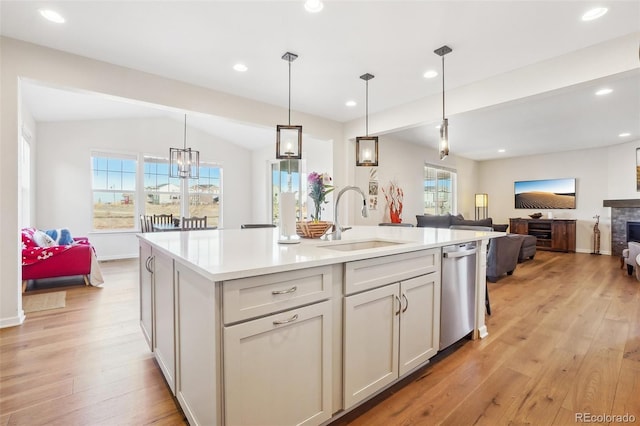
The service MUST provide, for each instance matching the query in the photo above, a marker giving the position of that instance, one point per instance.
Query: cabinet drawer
(370, 273)
(265, 294)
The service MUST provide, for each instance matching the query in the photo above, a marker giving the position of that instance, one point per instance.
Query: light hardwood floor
(564, 338)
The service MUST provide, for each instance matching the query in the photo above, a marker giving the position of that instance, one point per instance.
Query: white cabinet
(277, 369)
(389, 331)
(164, 325)
(419, 321)
(198, 357)
(146, 292)
(278, 360)
(157, 309)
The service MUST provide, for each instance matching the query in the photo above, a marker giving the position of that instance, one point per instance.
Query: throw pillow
(61, 236)
(42, 239)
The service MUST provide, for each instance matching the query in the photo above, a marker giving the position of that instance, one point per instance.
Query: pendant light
(367, 146)
(289, 138)
(184, 163)
(444, 127)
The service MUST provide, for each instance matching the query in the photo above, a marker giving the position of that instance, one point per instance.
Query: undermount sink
(360, 245)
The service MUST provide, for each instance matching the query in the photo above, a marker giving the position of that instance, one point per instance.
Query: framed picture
(373, 187)
(373, 202)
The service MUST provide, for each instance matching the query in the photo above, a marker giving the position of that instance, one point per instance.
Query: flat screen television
(545, 194)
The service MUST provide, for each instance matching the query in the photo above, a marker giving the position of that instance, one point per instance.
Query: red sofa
(55, 261)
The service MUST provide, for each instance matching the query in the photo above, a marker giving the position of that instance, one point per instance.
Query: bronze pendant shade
(367, 146)
(288, 137)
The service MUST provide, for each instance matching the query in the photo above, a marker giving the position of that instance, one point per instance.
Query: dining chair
(162, 219)
(257, 225)
(146, 224)
(189, 223)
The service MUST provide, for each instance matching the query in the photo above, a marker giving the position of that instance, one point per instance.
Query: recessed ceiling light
(350, 103)
(430, 74)
(313, 6)
(52, 15)
(240, 67)
(502, 150)
(624, 135)
(604, 91)
(594, 13)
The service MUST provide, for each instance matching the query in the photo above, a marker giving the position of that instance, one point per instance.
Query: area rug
(44, 301)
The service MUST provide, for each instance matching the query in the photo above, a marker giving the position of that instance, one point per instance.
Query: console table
(551, 234)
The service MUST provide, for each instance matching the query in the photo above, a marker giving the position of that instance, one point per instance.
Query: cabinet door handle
(292, 319)
(148, 264)
(404, 296)
(399, 305)
(287, 291)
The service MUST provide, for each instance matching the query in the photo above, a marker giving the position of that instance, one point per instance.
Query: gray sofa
(448, 220)
(503, 252)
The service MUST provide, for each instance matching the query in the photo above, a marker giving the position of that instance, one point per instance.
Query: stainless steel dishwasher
(457, 307)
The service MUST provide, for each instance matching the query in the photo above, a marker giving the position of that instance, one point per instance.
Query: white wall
(404, 162)
(28, 130)
(601, 174)
(64, 179)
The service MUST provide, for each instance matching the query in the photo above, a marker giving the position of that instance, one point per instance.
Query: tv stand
(551, 234)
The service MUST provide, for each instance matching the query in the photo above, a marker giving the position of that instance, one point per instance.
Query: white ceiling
(199, 42)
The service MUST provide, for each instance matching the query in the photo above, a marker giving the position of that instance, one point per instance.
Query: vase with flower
(394, 197)
(319, 187)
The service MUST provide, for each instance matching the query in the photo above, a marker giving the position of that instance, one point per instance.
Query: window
(114, 190)
(205, 194)
(163, 195)
(439, 190)
(287, 176)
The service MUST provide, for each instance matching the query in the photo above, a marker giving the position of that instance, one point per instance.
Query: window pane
(113, 210)
(286, 176)
(205, 194)
(439, 191)
(114, 189)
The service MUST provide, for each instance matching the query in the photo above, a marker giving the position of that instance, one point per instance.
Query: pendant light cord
(443, 114)
(185, 132)
(289, 92)
(367, 110)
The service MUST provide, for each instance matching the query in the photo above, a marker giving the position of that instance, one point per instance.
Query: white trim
(13, 321)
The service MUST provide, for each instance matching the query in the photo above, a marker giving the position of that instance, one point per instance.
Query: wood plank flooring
(564, 338)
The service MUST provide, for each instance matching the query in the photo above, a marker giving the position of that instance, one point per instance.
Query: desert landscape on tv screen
(546, 194)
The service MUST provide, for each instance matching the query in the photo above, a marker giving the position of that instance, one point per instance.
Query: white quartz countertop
(236, 253)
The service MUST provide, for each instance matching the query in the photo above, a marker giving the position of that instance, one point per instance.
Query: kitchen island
(249, 331)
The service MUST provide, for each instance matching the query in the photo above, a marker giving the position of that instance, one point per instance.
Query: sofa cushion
(433, 221)
(61, 236)
(43, 240)
(500, 227)
(488, 222)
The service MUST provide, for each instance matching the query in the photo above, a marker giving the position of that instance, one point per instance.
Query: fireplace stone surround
(622, 211)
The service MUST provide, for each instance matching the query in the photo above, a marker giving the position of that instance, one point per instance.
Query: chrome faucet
(337, 229)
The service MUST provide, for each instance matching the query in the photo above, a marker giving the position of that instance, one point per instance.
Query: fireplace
(622, 212)
(633, 231)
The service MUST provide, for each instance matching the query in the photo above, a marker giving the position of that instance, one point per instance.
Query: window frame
(301, 189)
(437, 208)
(115, 155)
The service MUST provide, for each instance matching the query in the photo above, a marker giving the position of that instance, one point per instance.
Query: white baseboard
(13, 321)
